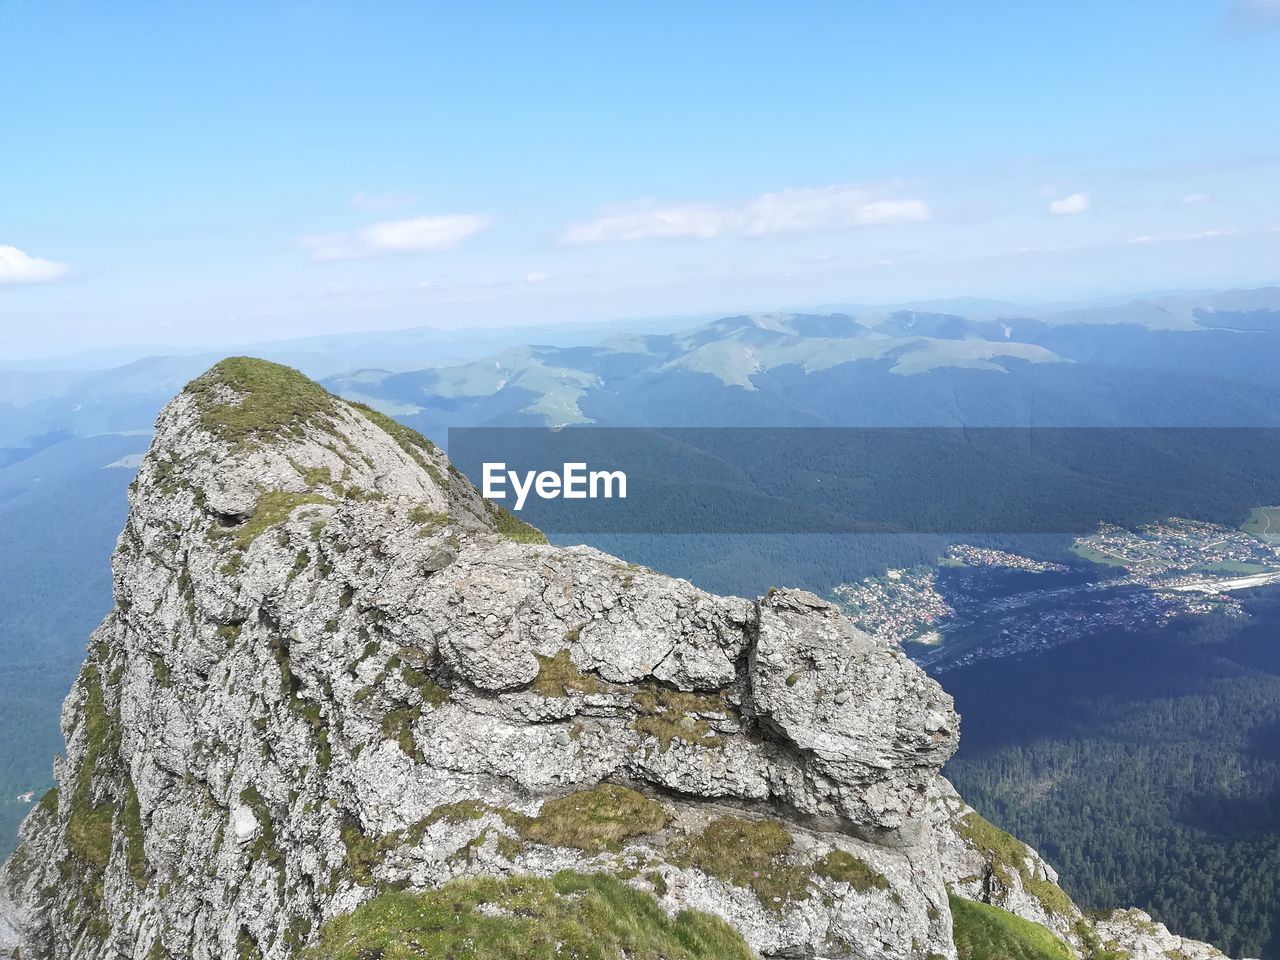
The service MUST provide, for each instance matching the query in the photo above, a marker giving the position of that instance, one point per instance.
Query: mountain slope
(334, 676)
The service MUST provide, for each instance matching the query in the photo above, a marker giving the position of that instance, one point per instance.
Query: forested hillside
(1146, 768)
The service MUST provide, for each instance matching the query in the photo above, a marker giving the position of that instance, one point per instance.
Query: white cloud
(1075, 203)
(785, 211)
(424, 233)
(847, 205)
(1192, 199)
(396, 236)
(699, 221)
(1145, 238)
(366, 200)
(535, 276)
(19, 267)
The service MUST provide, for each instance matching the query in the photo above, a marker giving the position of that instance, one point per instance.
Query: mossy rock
(513, 528)
(264, 848)
(558, 675)
(430, 691)
(984, 932)
(1007, 856)
(844, 867)
(570, 916)
(273, 400)
(398, 724)
(597, 819)
(751, 854)
(668, 715)
(273, 507)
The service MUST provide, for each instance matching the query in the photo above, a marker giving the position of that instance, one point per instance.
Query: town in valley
(981, 603)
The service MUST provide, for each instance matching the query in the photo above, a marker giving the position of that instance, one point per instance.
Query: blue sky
(187, 173)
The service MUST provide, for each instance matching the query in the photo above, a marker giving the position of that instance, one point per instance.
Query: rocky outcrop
(332, 669)
(1134, 933)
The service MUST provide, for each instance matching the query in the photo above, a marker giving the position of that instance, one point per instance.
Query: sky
(189, 173)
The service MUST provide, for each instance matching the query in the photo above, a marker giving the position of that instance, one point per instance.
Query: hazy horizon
(125, 352)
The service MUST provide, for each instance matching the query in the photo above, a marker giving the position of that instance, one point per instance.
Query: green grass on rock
(558, 675)
(846, 868)
(567, 917)
(596, 819)
(513, 528)
(1008, 856)
(751, 854)
(984, 932)
(273, 507)
(273, 400)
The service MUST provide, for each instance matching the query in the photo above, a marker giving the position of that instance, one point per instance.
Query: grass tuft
(751, 854)
(558, 675)
(1007, 856)
(597, 819)
(89, 827)
(984, 932)
(592, 820)
(135, 854)
(570, 916)
(668, 715)
(844, 867)
(273, 507)
(513, 528)
(409, 440)
(273, 400)
(428, 520)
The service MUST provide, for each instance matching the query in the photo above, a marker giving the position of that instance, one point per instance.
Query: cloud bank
(16, 266)
(793, 209)
(420, 234)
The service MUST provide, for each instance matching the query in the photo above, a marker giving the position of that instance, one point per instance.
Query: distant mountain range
(584, 373)
(1174, 360)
